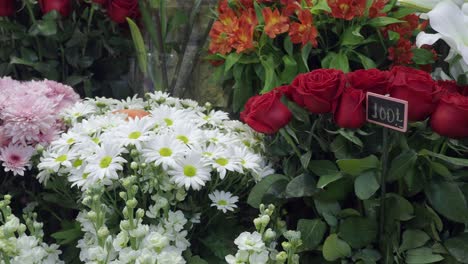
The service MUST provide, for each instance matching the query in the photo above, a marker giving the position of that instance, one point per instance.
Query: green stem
(33, 18)
(162, 51)
(383, 177)
(290, 141)
(88, 28)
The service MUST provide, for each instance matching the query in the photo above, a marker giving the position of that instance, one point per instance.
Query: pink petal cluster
(29, 115)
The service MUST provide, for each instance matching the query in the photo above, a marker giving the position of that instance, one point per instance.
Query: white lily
(448, 19)
(425, 5)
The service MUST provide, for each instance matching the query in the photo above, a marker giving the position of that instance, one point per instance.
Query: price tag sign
(387, 111)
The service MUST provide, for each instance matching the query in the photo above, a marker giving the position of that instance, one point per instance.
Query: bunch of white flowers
(170, 143)
(259, 247)
(162, 240)
(16, 246)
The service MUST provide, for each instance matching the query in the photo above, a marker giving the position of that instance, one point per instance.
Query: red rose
(61, 6)
(266, 113)
(119, 10)
(416, 87)
(450, 117)
(448, 86)
(350, 111)
(7, 8)
(372, 80)
(318, 89)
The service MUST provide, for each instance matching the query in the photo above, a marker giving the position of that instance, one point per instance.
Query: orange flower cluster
(350, 9)
(237, 25)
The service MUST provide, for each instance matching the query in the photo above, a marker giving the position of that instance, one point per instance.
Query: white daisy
(106, 162)
(214, 117)
(166, 116)
(79, 110)
(248, 159)
(53, 161)
(191, 172)
(132, 132)
(223, 201)
(188, 134)
(164, 150)
(225, 161)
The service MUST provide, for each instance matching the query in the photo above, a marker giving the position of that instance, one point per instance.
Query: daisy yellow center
(190, 171)
(105, 162)
(70, 141)
(222, 202)
(183, 138)
(77, 163)
(168, 121)
(95, 140)
(246, 143)
(85, 176)
(222, 161)
(61, 158)
(134, 135)
(165, 152)
(208, 154)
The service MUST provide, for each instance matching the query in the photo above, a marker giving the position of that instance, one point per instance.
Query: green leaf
(261, 188)
(288, 46)
(312, 232)
(327, 179)
(321, 6)
(197, 260)
(323, 167)
(448, 200)
(139, 45)
(339, 61)
(383, 21)
(398, 208)
(368, 255)
(75, 80)
(422, 56)
(69, 234)
(258, 13)
(340, 148)
(335, 248)
(301, 186)
(305, 159)
(366, 185)
(451, 160)
(305, 52)
(290, 70)
(358, 231)
(413, 238)
(352, 36)
(44, 28)
(402, 164)
(366, 62)
(270, 74)
(242, 89)
(441, 169)
(458, 247)
(421, 256)
(298, 112)
(355, 167)
(351, 136)
(231, 59)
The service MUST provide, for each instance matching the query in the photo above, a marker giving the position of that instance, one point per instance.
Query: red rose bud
(7, 8)
(266, 113)
(450, 117)
(61, 6)
(318, 89)
(119, 10)
(416, 87)
(350, 111)
(372, 80)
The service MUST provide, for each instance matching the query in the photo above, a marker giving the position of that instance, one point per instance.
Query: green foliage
(85, 50)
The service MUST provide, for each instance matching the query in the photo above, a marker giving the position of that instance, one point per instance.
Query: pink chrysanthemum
(62, 94)
(24, 118)
(16, 158)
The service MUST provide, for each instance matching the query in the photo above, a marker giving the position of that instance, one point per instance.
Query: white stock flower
(250, 242)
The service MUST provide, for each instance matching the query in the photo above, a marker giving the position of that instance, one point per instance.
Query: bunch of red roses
(117, 10)
(331, 91)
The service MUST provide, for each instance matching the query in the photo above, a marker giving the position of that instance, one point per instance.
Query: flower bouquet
(370, 195)
(148, 171)
(264, 44)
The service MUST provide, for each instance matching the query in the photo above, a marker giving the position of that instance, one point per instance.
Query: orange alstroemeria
(221, 41)
(275, 23)
(249, 16)
(347, 9)
(305, 31)
(376, 8)
(244, 37)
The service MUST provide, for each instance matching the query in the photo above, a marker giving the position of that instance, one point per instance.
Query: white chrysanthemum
(53, 161)
(166, 116)
(187, 134)
(214, 117)
(106, 162)
(164, 150)
(191, 172)
(250, 242)
(223, 201)
(79, 110)
(133, 132)
(129, 103)
(225, 161)
(248, 159)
